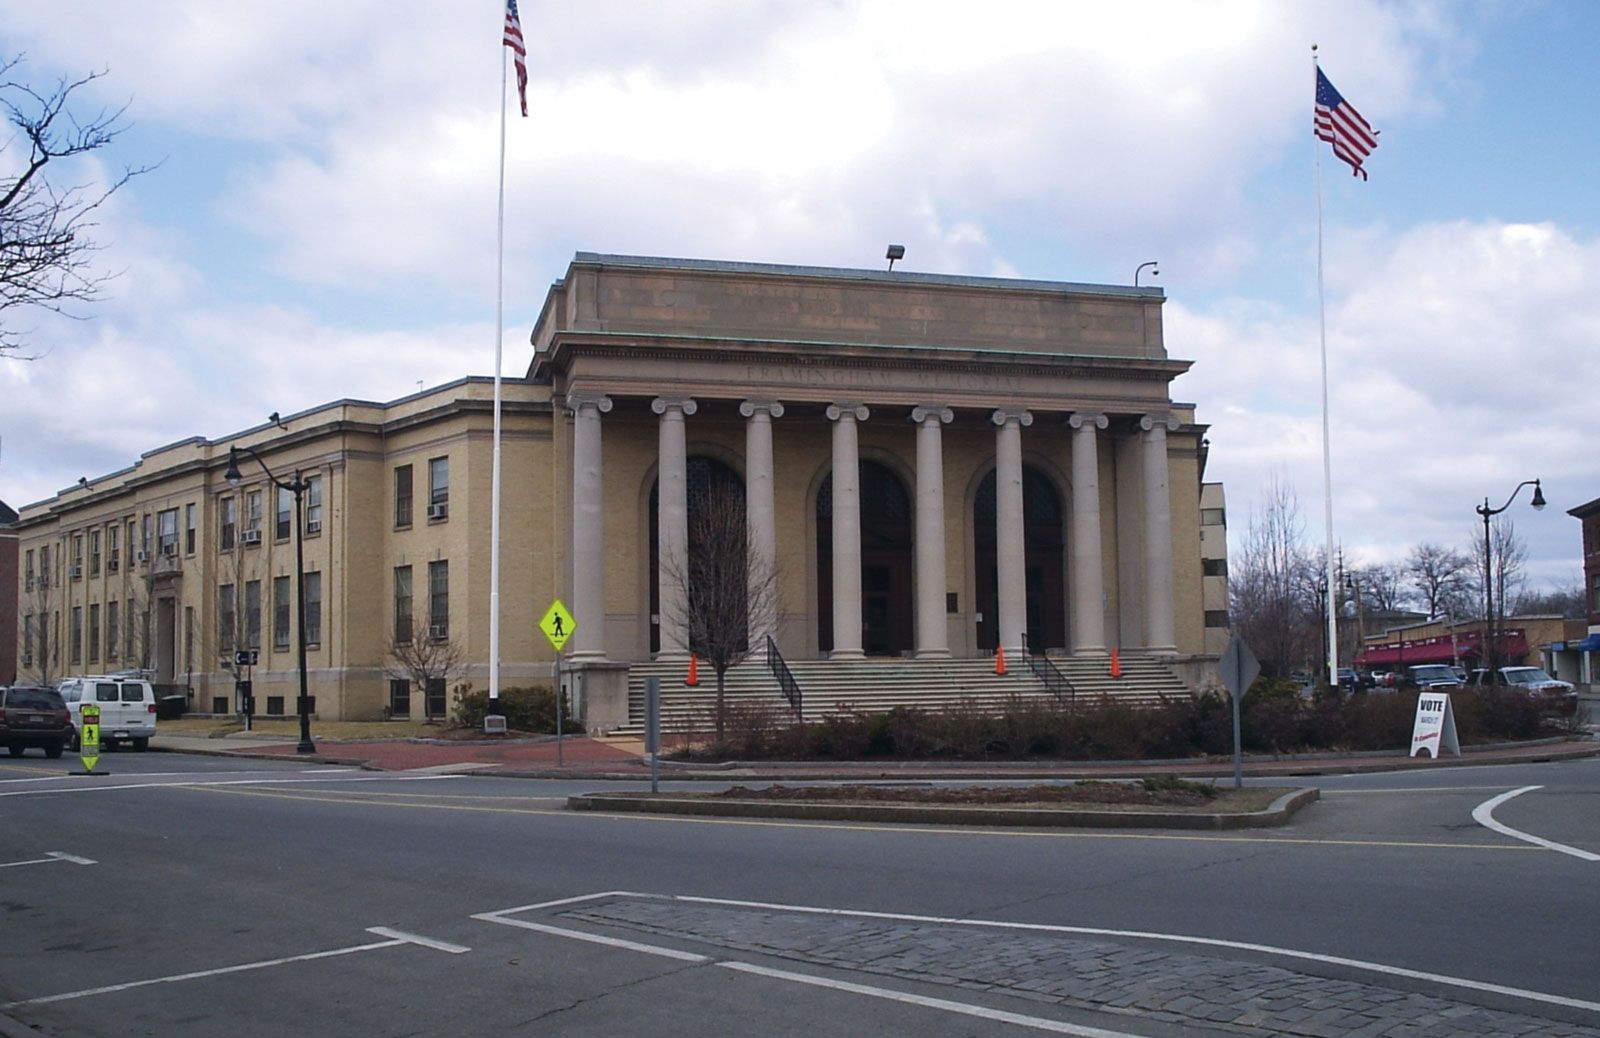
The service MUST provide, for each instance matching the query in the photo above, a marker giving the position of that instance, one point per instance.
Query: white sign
(1435, 730)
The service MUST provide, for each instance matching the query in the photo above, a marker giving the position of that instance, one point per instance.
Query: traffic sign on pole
(558, 624)
(1238, 668)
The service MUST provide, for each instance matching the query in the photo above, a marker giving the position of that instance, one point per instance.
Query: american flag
(1338, 123)
(519, 51)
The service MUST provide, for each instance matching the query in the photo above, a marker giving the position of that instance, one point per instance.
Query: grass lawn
(289, 728)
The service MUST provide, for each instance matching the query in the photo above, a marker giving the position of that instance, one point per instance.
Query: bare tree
(1382, 586)
(427, 662)
(46, 225)
(1442, 578)
(39, 600)
(724, 596)
(1564, 600)
(1502, 571)
(1267, 583)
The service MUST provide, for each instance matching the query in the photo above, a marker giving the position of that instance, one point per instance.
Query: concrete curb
(1277, 813)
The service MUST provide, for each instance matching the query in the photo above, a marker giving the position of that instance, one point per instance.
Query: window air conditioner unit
(169, 550)
(439, 632)
(27, 659)
(142, 556)
(438, 511)
(314, 526)
(112, 566)
(250, 537)
(75, 572)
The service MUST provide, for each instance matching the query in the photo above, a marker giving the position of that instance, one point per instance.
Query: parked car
(1433, 677)
(127, 707)
(1559, 696)
(33, 717)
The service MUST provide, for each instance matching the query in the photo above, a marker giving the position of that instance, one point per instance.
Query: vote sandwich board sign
(1435, 729)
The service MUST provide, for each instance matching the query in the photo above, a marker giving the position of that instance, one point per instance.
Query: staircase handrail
(785, 677)
(1055, 682)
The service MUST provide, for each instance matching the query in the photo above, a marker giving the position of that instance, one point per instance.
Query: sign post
(652, 727)
(242, 687)
(1238, 668)
(558, 625)
(1435, 729)
(89, 740)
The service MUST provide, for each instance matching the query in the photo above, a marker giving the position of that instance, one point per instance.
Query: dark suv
(33, 717)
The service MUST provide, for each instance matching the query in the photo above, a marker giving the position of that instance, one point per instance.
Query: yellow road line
(854, 827)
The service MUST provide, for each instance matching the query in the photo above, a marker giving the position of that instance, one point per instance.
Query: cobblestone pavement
(1243, 997)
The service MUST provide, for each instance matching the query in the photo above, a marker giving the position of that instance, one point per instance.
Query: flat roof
(898, 277)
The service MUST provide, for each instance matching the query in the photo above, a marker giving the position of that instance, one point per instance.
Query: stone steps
(870, 685)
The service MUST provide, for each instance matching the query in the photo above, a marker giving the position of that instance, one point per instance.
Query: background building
(1019, 478)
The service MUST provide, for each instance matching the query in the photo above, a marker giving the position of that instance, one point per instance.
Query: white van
(127, 707)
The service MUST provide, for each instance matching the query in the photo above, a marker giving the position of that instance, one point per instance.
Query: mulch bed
(1113, 793)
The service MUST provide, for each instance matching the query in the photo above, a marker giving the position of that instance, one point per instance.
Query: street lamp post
(297, 487)
(1490, 656)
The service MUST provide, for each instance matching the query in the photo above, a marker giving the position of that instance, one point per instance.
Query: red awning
(1440, 649)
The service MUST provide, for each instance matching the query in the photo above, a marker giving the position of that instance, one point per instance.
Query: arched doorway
(705, 478)
(1046, 622)
(886, 563)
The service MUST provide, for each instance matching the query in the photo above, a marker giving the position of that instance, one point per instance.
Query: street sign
(89, 738)
(246, 657)
(558, 624)
(1238, 667)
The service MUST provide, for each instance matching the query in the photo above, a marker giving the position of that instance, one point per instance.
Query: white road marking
(201, 783)
(1212, 942)
(1037, 1023)
(594, 938)
(50, 857)
(426, 942)
(1483, 814)
(446, 769)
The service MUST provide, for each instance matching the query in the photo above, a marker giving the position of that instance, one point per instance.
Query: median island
(1160, 802)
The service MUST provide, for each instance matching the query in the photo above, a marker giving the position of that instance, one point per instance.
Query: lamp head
(232, 475)
(1538, 496)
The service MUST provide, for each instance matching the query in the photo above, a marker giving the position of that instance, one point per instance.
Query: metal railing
(1055, 682)
(786, 682)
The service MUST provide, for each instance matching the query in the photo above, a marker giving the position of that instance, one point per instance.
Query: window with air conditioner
(250, 537)
(438, 487)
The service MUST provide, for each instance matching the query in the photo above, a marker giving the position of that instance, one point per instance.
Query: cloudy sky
(321, 219)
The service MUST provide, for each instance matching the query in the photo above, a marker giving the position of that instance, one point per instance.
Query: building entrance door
(886, 563)
(1045, 589)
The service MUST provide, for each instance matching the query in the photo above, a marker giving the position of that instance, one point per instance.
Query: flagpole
(494, 483)
(1327, 463)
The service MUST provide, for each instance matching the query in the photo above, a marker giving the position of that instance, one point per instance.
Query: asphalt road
(202, 896)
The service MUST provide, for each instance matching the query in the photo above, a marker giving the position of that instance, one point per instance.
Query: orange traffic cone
(999, 659)
(1116, 664)
(694, 671)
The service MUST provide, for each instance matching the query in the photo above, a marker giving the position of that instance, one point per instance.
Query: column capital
(749, 408)
(1079, 419)
(923, 412)
(858, 411)
(580, 398)
(662, 404)
(1021, 415)
(1164, 419)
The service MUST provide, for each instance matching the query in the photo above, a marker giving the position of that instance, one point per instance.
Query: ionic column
(1088, 573)
(588, 606)
(672, 526)
(1159, 628)
(1010, 549)
(761, 517)
(846, 530)
(932, 636)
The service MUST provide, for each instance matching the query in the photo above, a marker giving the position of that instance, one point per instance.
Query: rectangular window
(77, 551)
(439, 600)
(227, 619)
(313, 608)
(284, 511)
(190, 517)
(130, 629)
(229, 517)
(144, 534)
(44, 567)
(1216, 618)
(402, 605)
(402, 495)
(113, 629)
(314, 504)
(252, 614)
(94, 553)
(399, 697)
(133, 542)
(27, 571)
(280, 612)
(44, 641)
(27, 635)
(275, 706)
(1214, 567)
(77, 634)
(167, 532)
(1594, 604)
(1213, 517)
(252, 510)
(94, 632)
(438, 488)
(188, 639)
(435, 706)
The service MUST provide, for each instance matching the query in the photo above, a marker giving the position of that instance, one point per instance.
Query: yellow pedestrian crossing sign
(89, 737)
(558, 624)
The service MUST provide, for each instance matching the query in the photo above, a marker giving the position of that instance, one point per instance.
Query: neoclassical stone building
(930, 466)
